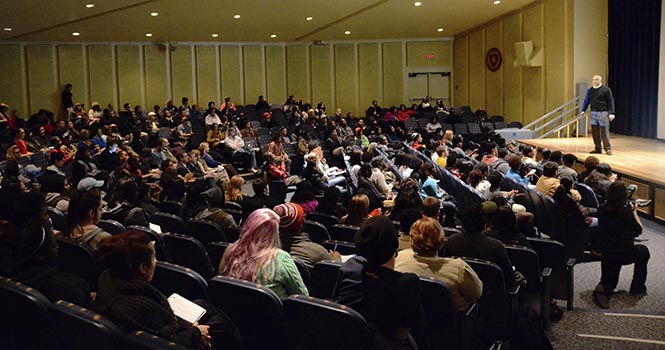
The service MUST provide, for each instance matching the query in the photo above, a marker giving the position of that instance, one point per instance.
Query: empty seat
(553, 254)
(169, 223)
(537, 291)
(324, 278)
(171, 278)
(341, 232)
(317, 232)
(500, 125)
(205, 231)
(189, 252)
(171, 207)
(411, 124)
(342, 247)
(140, 340)
(216, 252)
(474, 128)
(325, 219)
(25, 321)
(517, 125)
(78, 258)
(58, 219)
(461, 128)
(80, 328)
(255, 309)
(160, 248)
(111, 226)
(324, 325)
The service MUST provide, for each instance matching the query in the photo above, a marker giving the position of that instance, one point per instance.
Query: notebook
(185, 309)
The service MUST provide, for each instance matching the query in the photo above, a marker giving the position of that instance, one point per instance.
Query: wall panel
(477, 70)
(321, 78)
(494, 80)
(393, 88)
(534, 77)
(41, 78)
(512, 83)
(297, 72)
(254, 75)
(416, 54)
(231, 73)
(181, 73)
(12, 88)
(71, 70)
(555, 53)
(129, 75)
(275, 74)
(369, 76)
(206, 75)
(346, 93)
(100, 70)
(155, 76)
(461, 71)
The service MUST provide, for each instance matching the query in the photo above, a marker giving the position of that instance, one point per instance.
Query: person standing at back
(600, 98)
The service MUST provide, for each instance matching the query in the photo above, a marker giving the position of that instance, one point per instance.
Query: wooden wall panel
(181, 73)
(231, 73)
(461, 71)
(12, 87)
(534, 77)
(393, 76)
(555, 53)
(477, 70)
(369, 76)
(321, 78)
(275, 74)
(206, 75)
(494, 80)
(416, 54)
(297, 72)
(129, 75)
(155, 76)
(512, 83)
(254, 75)
(101, 79)
(71, 70)
(346, 92)
(41, 78)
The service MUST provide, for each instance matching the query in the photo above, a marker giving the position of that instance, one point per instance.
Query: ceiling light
(154, 14)
(7, 29)
(148, 34)
(76, 34)
(496, 2)
(309, 18)
(417, 3)
(439, 30)
(347, 32)
(273, 35)
(215, 35)
(236, 16)
(90, 6)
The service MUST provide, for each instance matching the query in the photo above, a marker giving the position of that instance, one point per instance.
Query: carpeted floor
(588, 319)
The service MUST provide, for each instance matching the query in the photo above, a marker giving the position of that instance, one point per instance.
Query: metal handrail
(562, 115)
(552, 112)
(565, 125)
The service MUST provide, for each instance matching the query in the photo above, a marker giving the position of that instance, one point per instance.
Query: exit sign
(429, 56)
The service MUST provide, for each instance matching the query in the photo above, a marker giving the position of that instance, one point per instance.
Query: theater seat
(317, 231)
(341, 232)
(80, 328)
(111, 226)
(169, 223)
(537, 291)
(344, 248)
(205, 231)
(552, 254)
(216, 252)
(189, 252)
(324, 278)
(171, 278)
(78, 258)
(140, 340)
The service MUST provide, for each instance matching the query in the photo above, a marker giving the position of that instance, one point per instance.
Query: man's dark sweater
(601, 99)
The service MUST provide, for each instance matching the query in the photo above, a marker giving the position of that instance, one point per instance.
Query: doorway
(433, 86)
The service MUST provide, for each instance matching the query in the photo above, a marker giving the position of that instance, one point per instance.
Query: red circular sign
(493, 59)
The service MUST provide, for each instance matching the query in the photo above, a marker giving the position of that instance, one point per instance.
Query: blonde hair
(448, 136)
(427, 236)
(234, 190)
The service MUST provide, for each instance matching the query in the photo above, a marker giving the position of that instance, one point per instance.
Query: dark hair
(556, 156)
(431, 206)
(365, 171)
(377, 240)
(126, 189)
(475, 176)
(569, 159)
(56, 156)
(407, 218)
(505, 221)
(616, 196)
(332, 194)
(124, 253)
(494, 178)
(550, 169)
(473, 219)
(546, 152)
(515, 162)
(80, 205)
(259, 185)
(426, 170)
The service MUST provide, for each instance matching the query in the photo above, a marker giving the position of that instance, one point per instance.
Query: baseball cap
(88, 184)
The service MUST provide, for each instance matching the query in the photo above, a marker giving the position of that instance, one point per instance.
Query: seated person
(126, 297)
(406, 220)
(368, 283)
(295, 241)
(85, 211)
(330, 203)
(504, 228)
(260, 199)
(205, 204)
(427, 238)
(256, 256)
(358, 211)
(549, 182)
(125, 206)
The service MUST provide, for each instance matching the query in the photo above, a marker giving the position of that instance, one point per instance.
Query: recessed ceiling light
(148, 34)
(273, 35)
(417, 3)
(7, 29)
(154, 14)
(347, 32)
(309, 18)
(90, 6)
(236, 16)
(496, 2)
(215, 35)
(76, 34)
(439, 30)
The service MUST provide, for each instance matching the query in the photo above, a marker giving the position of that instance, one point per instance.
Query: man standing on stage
(601, 100)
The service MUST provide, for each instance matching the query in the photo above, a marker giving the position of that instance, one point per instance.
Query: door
(433, 86)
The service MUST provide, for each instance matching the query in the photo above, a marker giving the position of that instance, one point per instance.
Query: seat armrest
(513, 290)
(546, 273)
(571, 262)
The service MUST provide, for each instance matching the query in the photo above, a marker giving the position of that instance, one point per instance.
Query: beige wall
(346, 74)
(518, 93)
(590, 40)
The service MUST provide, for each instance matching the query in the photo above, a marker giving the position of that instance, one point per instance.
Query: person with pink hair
(257, 256)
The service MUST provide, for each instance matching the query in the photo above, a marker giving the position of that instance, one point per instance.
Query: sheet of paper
(185, 309)
(346, 257)
(155, 228)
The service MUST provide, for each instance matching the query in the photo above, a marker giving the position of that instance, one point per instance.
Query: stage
(637, 160)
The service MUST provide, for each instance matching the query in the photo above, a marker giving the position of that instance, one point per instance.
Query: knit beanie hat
(377, 240)
(291, 217)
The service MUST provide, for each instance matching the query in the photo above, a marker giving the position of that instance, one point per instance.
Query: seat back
(325, 219)
(22, 305)
(278, 190)
(438, 329)
(187, 251)
(140, 340)
(216, 252)
(171, 278)
(78, 258)
(494, 306)
(553, 217)
(58, 219)
(80, 328)
(171, 207)
(304, 274)
(324, 325)
(205, 231)
(232, 205)
(324, 278)
(344, 248)
(317, 231)
(589, 199)
(160, 248)
(169, 222)
(526, 262)
(341, 232)
(237, 215)
(553, 254)
(111, 226)
(255, 309)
